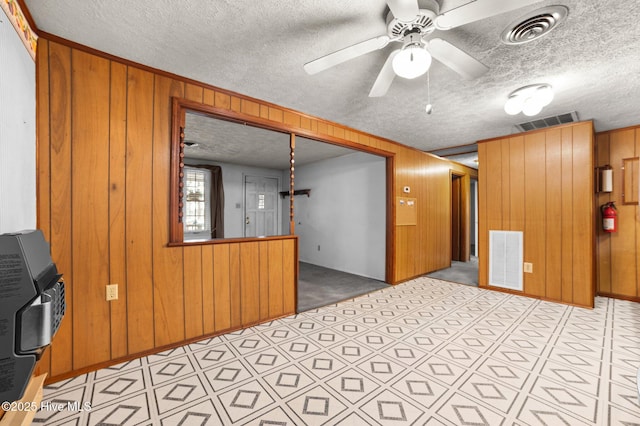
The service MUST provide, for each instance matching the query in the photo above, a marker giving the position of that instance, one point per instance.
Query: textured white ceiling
(229, 142)
(258, 48)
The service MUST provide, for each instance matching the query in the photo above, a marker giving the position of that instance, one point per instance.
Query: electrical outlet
(112, 292)
(528, 267)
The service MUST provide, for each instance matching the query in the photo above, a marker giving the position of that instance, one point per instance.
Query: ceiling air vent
(541, 123)
(534, 25)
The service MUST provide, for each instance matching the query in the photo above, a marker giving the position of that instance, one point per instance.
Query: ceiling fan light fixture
(529, 99)
(412, 61)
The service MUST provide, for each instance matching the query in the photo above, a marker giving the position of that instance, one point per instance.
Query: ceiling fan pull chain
(429, 107)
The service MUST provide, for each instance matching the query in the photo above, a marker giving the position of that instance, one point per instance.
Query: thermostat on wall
(406, 190)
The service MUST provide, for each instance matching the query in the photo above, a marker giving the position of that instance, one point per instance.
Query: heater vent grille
(505, 259)
(541, 123)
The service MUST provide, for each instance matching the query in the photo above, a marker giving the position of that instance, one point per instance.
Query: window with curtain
(197, 210)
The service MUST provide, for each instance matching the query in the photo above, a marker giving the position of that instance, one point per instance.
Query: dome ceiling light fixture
(413, 60)
(534, 25)
(529, 99)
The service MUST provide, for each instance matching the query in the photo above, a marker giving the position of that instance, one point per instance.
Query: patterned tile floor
(426, 352)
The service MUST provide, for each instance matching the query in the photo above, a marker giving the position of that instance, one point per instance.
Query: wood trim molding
(619, 297)
(264, 123)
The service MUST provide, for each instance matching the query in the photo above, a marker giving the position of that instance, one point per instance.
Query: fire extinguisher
(609, 217)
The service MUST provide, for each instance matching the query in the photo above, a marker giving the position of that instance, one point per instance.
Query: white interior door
(260, 206)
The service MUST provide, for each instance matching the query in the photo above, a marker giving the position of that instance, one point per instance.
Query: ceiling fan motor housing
(422, 24)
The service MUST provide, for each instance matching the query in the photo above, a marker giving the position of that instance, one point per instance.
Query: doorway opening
(458, 224)
(464, 263)
(340, 223)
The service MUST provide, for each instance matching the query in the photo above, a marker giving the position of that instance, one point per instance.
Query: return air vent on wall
(541, 123)
(505, 259)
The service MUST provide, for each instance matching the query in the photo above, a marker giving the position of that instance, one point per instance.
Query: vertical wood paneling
(193, 92)
(43, 168)
(249, 283)
(494, 209)
(43, 145)
(483, 231)
(264, 280)
(618, 262)
(139, 215)
(289, 267)
(566, 214)
(208, 296)
(60, 208)
(221, 287)
(516, 184)
(90, 202)
(550, 196)
(623, 244)
(553, 201)
(193, 321)
(250, 107)
(117, 201)
(535, 205)
(583, 226)
(276, 305)
(222, 100)
(208, 97)
(234, 284)
(637, 219)
(637, 216)
(505, 178)
(168, 291)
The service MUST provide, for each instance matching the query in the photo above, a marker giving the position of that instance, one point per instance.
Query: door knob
(247, 220)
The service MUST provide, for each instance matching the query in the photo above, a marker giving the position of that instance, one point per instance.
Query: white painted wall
(17, 132)
(345, 215)
(233, 181)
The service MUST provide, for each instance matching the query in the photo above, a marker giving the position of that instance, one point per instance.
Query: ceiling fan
(410, 22)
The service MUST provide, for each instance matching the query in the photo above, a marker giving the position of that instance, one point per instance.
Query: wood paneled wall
(541, 183)
(618, 255)
(103, 203)
(103, 197)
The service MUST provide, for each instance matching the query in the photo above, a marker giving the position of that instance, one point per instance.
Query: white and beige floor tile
(426, 352)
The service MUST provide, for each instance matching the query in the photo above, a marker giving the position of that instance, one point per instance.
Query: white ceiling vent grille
(534, 25)
(541, 123)
(505, 259)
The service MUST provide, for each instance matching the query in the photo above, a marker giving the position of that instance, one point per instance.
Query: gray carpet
(460, 272)
(318, 286)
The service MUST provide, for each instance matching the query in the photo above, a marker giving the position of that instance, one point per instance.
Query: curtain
(217, 199)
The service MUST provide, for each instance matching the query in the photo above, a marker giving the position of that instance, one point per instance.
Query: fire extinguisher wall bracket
(609, 217)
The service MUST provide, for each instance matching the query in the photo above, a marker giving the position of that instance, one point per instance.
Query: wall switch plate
(112, 292)
(528, 267)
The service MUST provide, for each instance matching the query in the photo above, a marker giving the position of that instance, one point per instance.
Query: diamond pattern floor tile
(425, 352)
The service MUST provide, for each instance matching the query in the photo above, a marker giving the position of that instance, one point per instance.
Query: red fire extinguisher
(609, 217)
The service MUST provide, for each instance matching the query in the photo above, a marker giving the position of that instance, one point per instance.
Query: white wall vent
(505, 259)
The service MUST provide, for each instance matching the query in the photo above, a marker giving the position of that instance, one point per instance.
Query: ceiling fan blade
(478, 10)
(343, 55)
(404, 10)
(385, 77)
(456, 59)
